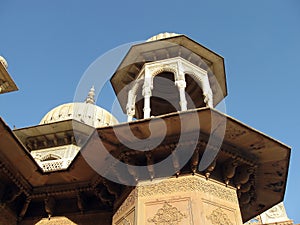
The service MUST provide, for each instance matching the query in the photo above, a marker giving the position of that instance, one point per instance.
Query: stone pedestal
(186, 200)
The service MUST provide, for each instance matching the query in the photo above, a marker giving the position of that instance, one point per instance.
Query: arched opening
(194, 93)
(165, 96)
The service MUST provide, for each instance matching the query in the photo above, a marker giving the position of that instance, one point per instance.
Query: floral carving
(186, 185)
(167, 215)
(219, 217)
(157, 69)
(275, 212)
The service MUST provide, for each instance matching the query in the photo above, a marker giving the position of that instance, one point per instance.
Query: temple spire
(90, 98)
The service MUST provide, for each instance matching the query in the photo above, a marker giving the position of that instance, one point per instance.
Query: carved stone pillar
(186, 200)
(207, 92)
(181, 84)
(130, 108)
(147, 93)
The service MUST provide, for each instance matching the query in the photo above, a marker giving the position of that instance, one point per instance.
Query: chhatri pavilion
(176, 160)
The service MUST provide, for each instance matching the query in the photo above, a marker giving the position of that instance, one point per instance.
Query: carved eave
(6, 82)
(57, 134)
(53, 134)
(15, 190)
(249, 160)
(181, 46)
(11, 154)
(254, 163)
(38, 194)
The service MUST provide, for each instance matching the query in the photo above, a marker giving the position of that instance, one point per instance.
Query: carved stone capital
(180, 83)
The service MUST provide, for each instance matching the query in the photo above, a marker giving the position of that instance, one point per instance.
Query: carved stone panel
(166, 215)
(169, 212)
(217, 214)
(219, 217)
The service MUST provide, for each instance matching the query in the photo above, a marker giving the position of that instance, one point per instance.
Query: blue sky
(50, 44)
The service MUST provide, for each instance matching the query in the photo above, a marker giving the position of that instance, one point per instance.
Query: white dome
(87, 113)
(162, 36)
(3, 61)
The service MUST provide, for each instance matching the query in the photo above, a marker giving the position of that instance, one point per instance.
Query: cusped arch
(204, 85)
(131, 98)
(132, 93)
(192, 74)
(153, 73)
(164, 68)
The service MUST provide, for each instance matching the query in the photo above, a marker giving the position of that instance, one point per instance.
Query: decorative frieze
(187, 184)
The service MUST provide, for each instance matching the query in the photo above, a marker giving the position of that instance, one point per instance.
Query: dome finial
(90, 98)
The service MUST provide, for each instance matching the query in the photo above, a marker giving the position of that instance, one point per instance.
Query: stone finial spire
(90, 98)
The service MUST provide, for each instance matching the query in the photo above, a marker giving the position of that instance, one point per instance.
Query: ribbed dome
(162, 36)
(3, 61)
(86, 112)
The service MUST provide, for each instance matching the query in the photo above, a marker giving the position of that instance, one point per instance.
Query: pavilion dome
(3, 61)
(86, 112)
(162, 36)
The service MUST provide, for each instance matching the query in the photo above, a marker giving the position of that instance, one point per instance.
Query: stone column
(147, 93)
(207, 92)
(130, 108)
(181, 84)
